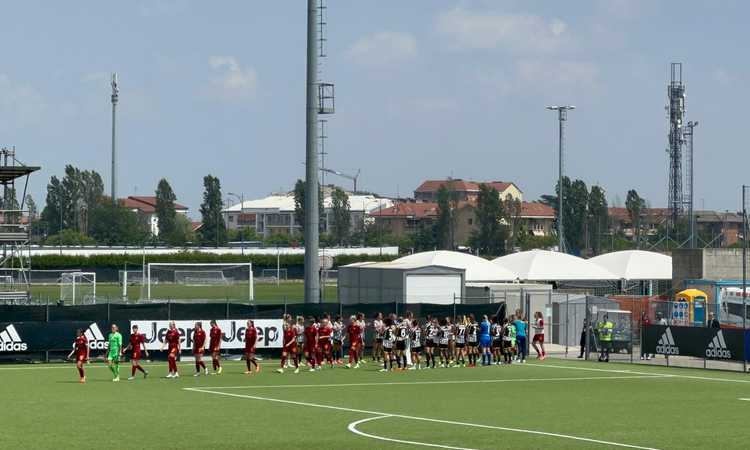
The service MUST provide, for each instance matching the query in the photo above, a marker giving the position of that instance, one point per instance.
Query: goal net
(274, 274)
(189, 281)
(78, 288)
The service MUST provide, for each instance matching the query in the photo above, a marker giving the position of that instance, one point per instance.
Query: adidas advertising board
(10, 340)
(19, 337)
(699, 342)
(269, 332)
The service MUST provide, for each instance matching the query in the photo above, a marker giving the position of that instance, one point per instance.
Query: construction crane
(354, 178)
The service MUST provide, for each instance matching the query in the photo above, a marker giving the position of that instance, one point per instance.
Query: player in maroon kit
(199, 346)
(172, 340)
(214, 346)
(311, 343)
(136, 343)
(354, 332)
(81, 350)
(251, 340)
(325, 346)
(289, 350)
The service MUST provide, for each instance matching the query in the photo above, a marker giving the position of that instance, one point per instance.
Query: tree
(512, 211)
(575, 204)
(598, 218)
(214, 230)
(10, 203)
(52, 214)
(115, 225)
(490, 235)
(299, 206)
(165, 212)
(444, 219)
(342, 217)
(183, 233)
(31, 208)
(635, 206)
(69, 237)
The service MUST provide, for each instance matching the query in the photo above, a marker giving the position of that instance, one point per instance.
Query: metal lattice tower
(115, 98)
(562, 117)
(676, 109)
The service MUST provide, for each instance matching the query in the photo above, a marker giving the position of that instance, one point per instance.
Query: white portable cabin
(386, 282)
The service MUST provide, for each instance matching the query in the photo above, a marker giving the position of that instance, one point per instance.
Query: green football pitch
(549, 404)
(291, 291)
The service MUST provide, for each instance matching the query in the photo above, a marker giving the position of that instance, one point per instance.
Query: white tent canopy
(636, 265)
(477, 269)
(543, 265)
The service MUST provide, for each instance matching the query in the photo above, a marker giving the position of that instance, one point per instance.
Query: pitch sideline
(424, 419)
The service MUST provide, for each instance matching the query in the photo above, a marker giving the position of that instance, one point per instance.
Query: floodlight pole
(562, 116)
(115, 95)
(744, 268)
(312, 219)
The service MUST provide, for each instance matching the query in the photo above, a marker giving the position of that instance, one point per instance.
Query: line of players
(317, 341)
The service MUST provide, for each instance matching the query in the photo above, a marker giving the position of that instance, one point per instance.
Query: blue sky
(425, 89)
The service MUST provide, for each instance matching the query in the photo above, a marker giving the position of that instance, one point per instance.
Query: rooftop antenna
(115, 98)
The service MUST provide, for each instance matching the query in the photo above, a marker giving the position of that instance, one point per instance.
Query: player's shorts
(324, 348)
(400, 345)
(416, 349)
(135, 356)
(485, 341)
(429, 343)
(378, 340)
(290, 349)
(443, 346)
(250, 350)
(507, 345)
(538, 338)
(338, 342)
(473, 343)
(310, 349)
(497, 343)
(81, 358)
(198, 352)
(113, 356)
(388, 345)
(460, 345)
(216, 349)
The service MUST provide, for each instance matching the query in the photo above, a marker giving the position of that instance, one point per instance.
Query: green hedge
(60, 262)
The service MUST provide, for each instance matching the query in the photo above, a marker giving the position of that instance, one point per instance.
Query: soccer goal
(78, 288)
(196, 281)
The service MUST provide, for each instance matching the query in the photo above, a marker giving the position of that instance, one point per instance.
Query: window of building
(231, 218)
(471, 221)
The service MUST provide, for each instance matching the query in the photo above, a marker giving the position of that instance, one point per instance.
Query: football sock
(283, 361)
(80, 372)
(404, 357)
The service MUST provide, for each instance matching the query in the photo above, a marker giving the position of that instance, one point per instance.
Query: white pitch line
(353, 428)
(687, 377)
(744, 399)
(424, 419)
(411, 383)
(124, 364)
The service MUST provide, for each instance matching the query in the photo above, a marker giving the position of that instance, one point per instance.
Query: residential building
(538, 219)
(405, 217)
(464, 191)
(275, 214)
(147, 206)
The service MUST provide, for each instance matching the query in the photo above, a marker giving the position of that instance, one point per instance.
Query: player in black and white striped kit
(416, 345)
(472, 340)
(402, 334)
(443, 338)
(497, 341)
(389, 331)
(431, 341)
(460, 354)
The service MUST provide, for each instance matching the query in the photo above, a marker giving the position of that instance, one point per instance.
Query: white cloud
(539, 75)
(383, 49)
(20, 104)
(519, 33)
(232, 81)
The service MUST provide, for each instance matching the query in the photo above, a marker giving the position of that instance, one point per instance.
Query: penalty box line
(423, 419)
(412, 383)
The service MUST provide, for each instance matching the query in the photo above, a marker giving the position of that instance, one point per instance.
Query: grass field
(551, 404)
(292, 291)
